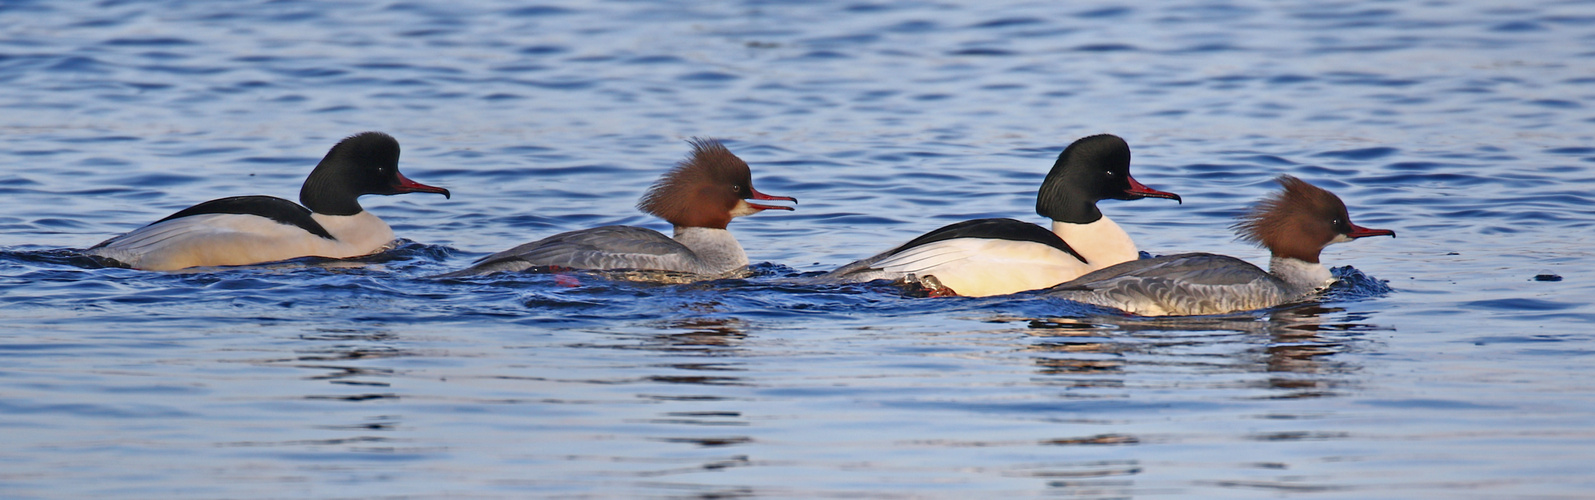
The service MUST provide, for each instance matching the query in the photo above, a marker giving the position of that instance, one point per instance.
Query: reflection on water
(1294, 346)
(1284, 354)
(702, 333)
(1130, 397)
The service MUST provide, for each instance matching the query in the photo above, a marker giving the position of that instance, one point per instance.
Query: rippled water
(1465, 127)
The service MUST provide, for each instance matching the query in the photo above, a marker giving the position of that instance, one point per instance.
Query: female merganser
(699, 197)
(1295, 225)
(984, 257)
(254, 229)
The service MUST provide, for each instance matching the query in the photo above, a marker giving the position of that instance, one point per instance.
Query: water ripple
(1461, 126)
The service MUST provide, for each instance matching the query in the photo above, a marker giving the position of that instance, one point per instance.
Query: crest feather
(678, 194)
(1265, 223)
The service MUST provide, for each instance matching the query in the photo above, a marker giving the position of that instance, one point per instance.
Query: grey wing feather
(599, 248)
(1193, 268)
(898, 263)
(1186, 284)
(857, 266)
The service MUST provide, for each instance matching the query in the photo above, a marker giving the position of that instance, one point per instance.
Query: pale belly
(235, 239)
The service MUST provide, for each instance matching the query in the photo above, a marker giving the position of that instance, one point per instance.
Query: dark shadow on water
(63, 257)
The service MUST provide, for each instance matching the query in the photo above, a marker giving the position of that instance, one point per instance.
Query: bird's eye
(1112, 173)
(736, 188)
(1335, 223)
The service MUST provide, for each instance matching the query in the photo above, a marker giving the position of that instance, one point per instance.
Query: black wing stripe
(270, 207)
(997, 229)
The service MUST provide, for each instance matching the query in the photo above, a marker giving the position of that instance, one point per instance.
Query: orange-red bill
(1139, 189)
(1363, 232)
(405, 185)
(761, 196)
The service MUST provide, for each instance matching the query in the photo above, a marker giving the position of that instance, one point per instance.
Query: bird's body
(245, 230)
(985, 257)
(1295, 226)
(699, 197)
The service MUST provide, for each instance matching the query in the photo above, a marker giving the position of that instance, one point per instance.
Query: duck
(699, 197)
(247, 230)
(1294, 224)
(1000, 256)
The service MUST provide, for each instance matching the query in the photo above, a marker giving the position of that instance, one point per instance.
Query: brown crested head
(706, 189)
(1300, 221)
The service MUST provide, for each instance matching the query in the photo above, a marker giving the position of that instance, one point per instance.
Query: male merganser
(699, 197)
(1295, 225)
(245, 230)
(984, 257)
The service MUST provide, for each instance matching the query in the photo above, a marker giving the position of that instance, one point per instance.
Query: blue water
(1442, 369)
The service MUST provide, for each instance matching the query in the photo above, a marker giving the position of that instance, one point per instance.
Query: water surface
(1444, 369)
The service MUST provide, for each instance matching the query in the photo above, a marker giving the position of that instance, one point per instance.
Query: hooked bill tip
(423, 188)
(1153, 193)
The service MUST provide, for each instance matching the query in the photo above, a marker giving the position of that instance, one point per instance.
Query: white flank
(238, 239)
(979, 267)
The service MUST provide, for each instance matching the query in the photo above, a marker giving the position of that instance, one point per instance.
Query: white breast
(1103, 243)
(359, 234)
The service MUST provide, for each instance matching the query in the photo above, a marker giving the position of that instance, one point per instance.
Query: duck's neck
(716, 250)
(1303, 277)
(1102, 243)
(323, 195)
